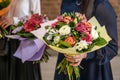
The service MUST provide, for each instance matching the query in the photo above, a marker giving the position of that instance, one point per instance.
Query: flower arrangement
(72, 31)
(25, 26)
(72, 34)
(29, 43)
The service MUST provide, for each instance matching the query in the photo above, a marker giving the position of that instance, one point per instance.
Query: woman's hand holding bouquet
(76, 59)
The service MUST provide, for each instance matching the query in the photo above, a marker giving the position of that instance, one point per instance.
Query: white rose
(81, 45)
(94, 33)
(64, 30)
(56, 39)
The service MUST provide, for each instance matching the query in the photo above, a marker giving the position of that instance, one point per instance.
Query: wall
(52, 8)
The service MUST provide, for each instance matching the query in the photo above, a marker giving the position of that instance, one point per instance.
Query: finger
(75, 64)
(6, 26)
(74, 60)
(68, 56)
(2, 23)
(77, 56)
(70, 60)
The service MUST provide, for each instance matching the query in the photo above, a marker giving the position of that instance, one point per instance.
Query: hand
(5, 22)
(76, 59)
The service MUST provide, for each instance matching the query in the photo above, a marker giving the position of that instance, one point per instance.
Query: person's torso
(22, 8)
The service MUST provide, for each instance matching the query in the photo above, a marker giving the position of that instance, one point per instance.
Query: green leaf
(71, 24)
(100, 41)
(76, 71)
(4, 4)
(13, 27)
(20, 23)
(26, 35)
(47, 27)
(63, 44)
(59, 25)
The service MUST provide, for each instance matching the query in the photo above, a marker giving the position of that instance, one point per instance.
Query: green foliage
(63, 44)
(100, 41)
(3, 32)
(65, 67)
(26, 35)
(20, 23)
(71, 24)
(72, 14)
(59, 25)
(4, 4)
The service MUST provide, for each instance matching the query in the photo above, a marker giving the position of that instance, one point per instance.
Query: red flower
(38, 19)
(33, 22)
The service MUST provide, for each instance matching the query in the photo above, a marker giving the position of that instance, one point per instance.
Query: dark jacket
(97, 64)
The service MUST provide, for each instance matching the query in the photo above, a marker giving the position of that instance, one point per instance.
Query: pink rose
(53, 25)
(80, 27)
(60, 18)
(84, 19)
(87, 37)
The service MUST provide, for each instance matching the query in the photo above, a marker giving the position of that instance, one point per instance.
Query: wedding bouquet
(30, 48)
(72, 34)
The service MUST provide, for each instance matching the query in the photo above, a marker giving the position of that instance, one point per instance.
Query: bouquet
(4, 6)
(72, 34)
(30, 48)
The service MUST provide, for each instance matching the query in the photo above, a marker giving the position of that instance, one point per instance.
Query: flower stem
(65, 67)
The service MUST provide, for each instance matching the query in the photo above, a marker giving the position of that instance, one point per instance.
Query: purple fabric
(30, 50)
(17, 29)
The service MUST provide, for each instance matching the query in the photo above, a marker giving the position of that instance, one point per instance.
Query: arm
(106, 16)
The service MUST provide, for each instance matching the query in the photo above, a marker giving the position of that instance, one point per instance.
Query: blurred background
(52, 8)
